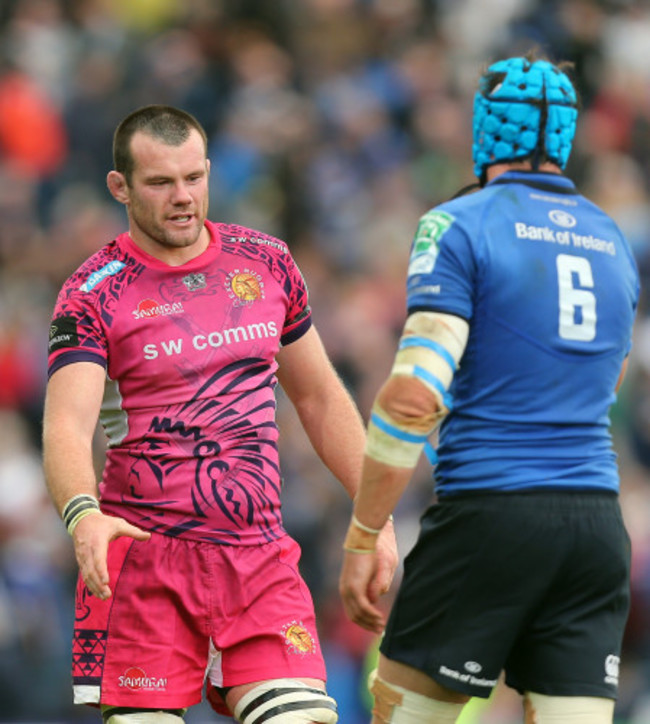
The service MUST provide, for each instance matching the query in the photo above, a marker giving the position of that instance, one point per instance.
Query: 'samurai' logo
(148, 308)
(136, 679)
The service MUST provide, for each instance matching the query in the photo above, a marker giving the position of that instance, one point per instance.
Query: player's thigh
(268, 626)
(144, 647)
(573, 644)
(235, 694)
(417, 681)
(541, 709)
(295, 700)
(467, 590)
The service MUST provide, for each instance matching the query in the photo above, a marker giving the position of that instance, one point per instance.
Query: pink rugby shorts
(182, 609)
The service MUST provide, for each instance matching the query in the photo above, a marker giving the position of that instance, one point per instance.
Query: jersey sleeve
(442, 266)
(298, 319)
(76, 332)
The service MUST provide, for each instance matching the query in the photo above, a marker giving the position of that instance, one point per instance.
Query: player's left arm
(334, 427)
(407, 409)
(325, 408)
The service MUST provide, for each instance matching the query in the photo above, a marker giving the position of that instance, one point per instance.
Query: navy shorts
(533, 584)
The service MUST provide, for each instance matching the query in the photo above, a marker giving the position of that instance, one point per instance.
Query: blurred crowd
(333, 124)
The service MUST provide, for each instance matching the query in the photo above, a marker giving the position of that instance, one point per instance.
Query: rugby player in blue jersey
(521, 301)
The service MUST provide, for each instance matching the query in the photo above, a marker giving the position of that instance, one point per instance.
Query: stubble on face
(168, 197)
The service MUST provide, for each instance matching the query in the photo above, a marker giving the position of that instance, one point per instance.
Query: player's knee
(129, 715)
(297, 702)
(396, 705)
(542, 709)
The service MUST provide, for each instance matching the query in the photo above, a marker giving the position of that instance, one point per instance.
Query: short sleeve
(76, 333)
(442, 266)
(298, 319)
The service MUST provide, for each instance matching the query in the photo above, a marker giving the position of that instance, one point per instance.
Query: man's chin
(182, 239)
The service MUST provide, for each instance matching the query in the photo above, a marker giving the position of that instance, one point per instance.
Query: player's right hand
(91, 538)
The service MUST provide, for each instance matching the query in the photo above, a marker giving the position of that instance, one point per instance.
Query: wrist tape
(78, 507)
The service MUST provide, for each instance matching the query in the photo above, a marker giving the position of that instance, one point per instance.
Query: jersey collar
(128, 246)
(542, 180)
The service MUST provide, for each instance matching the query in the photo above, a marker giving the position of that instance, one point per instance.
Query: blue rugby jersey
(549, 287)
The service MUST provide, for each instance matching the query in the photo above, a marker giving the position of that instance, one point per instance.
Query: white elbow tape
(430, 349)
(392, 444)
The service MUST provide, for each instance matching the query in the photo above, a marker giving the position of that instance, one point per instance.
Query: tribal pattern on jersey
(189, 403)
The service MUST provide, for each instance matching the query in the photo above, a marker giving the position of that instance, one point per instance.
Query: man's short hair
(166, 123)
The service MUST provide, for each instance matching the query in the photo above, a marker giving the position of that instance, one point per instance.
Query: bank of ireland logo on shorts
(612, 663)
(431, 229)
(244, 286)
(135, 679)
(298, 639)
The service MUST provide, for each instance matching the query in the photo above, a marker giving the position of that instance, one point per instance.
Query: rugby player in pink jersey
(174, 336)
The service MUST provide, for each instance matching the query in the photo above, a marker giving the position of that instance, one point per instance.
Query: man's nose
(181, 193)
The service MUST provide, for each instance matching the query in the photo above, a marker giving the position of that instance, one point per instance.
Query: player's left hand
(357, 574)
(387, 560)
(365, 577)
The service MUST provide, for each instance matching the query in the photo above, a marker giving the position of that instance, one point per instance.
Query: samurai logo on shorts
(244, 287)
(134, 678)
(298, 639)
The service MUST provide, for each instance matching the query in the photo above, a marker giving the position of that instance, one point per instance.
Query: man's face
(168, 194)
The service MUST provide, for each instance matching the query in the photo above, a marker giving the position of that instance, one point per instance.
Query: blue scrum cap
(523, 108)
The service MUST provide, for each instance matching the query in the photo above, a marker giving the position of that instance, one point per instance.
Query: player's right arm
(622, 374)
(72, 403)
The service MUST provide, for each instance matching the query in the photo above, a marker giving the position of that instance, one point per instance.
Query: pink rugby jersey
(189, 402)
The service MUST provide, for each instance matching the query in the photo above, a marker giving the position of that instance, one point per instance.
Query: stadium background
(333, 124)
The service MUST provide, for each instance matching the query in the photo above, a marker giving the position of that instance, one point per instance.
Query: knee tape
(129, 715)
(288, 701)
(542, 709)
(396, 705)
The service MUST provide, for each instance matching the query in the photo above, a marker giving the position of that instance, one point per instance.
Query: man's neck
(501, 168)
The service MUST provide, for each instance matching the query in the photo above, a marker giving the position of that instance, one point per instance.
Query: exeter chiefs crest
(244, 287)
(298, 639)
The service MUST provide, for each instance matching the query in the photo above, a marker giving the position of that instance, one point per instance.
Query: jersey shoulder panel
(101, 276)
(86, 305)
(442, 261)
(274, 254)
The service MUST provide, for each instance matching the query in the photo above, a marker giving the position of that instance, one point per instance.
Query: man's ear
(118, 187)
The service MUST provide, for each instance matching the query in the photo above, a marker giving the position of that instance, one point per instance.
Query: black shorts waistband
(559, 499)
